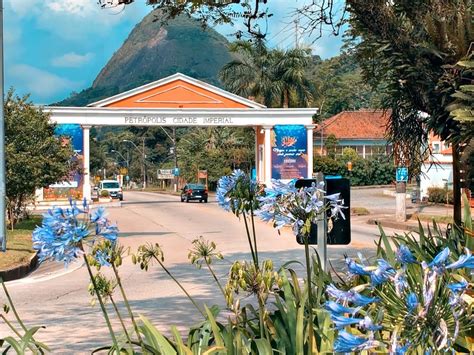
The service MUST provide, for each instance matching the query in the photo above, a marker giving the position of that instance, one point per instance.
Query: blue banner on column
(74, 133)
(289, 152)
(72, 184)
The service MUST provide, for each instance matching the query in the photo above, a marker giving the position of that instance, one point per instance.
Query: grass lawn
(19, 245)
(430, 218)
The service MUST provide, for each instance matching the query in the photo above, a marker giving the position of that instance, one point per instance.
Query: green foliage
(330, 145)
(274, 77)
(462, 108)
(104, 193)
(338, 85)
(405, 50)
(440, 195)
(35, 157)
(217, 150)
(371, 171)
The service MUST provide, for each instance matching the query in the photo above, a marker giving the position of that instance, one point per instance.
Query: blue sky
(54, 47)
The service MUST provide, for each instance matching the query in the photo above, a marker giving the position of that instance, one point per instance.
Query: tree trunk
(456, 185)
(286, 98)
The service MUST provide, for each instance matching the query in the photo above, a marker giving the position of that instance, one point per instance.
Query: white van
(113, 187)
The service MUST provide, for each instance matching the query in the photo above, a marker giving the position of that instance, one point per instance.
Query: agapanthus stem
(12, 306)
(7, 322)
(215, 278)
(254, 233)
(310, 293)
(127, 305)
(180, 286)
(10, 325)
(102, 306)
(250, 241)
(121, 320)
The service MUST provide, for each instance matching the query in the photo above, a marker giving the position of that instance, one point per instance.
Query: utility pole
(3, 237)
(297, 30)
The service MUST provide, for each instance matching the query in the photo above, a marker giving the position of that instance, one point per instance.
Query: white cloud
(40, 83)
(76, 19)
(23, 8)
(72, 60)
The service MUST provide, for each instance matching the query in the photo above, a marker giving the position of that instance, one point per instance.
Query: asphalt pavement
(58, 299)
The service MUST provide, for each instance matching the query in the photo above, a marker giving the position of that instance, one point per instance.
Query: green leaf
(215, 329)
(155, 338)
(263, 347)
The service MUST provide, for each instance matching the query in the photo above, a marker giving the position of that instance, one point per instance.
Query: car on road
(194, 192)
(113, 188)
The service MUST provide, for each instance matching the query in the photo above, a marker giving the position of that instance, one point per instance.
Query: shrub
(438, 195)
(104, 193)
(371, 171)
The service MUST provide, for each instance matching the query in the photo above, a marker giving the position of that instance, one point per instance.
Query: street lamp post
(175, 155)
(125, 160)
(142, 151)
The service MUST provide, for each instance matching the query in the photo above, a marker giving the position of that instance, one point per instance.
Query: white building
(437, 170)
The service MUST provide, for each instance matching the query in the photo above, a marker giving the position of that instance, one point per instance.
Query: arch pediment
(177, 91)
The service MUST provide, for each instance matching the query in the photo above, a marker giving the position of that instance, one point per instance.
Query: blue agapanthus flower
(464, 261)
(404, 255)
(336, 308)
(382, 273)
(364, 323)
(347, 342)
(102, 258)
(355, 268)
(440, 259)
(285, 205)
(350, 296)
(63, 233)
(236, 192)
(412, 302)
(458, 286)
(342, 322)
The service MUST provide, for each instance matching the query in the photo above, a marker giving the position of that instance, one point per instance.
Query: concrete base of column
(401, 198)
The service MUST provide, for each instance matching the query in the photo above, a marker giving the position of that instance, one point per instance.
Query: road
(58, 298)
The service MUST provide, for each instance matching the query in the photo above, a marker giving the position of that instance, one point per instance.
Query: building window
(436, 147)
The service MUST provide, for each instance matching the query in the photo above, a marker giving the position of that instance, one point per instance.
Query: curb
(394, 225)
(20, 271)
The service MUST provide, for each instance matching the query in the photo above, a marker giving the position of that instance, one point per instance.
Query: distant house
(363, 131)
(437, 169)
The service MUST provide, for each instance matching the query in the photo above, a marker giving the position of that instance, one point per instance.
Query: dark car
(194, 192)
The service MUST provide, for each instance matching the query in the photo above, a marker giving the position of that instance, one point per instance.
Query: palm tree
(271, 77)
(290, 76)
(249, 75)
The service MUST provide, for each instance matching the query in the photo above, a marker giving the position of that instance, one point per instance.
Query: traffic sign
(402, 174)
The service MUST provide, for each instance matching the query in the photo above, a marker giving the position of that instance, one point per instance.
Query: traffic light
(339, 229)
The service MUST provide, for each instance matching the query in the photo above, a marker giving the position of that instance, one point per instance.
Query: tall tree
(275, 78)
(290, 79)
(35, 156)
(250, 75)
(408, 46)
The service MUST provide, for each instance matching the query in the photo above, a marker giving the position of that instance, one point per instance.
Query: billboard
(289, 152)
(72, 184)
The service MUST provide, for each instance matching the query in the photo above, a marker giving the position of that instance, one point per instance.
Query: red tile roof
(362, 124)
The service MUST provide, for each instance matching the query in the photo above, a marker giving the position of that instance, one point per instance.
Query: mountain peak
(153, 51)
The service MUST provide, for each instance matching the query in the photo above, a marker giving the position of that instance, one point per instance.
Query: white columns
(363, 151)
(268, 154)
(309, 149)
(257, 177)
(86, 185)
